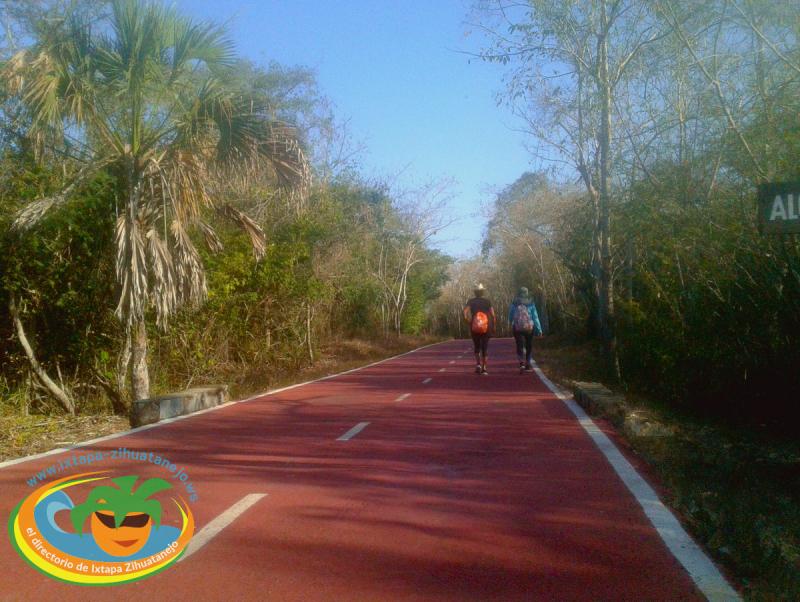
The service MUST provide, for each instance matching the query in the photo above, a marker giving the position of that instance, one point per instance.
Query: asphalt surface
(464, 487)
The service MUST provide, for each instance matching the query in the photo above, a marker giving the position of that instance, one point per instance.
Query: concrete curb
(597, 400)
(154, 409)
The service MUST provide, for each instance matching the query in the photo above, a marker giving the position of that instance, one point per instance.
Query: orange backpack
(480, 323)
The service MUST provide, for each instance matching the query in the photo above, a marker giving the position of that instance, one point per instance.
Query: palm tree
(143, 94)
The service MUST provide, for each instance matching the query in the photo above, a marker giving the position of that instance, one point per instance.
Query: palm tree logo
(121, 518)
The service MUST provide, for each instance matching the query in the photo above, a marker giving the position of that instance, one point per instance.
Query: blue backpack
(522, 319)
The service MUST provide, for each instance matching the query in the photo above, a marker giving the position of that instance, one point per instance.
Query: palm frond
(251, 139)
(282, 149)
(190, 275)
(33, 213)
(183, 176)
(212, 241)
(12, 71)
(199, 42)
(131, 269)
(163, 288)
(257, 237)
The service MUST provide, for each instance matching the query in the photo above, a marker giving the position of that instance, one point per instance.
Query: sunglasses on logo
(137, 520)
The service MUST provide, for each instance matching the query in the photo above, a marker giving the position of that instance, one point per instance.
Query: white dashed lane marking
(353, 431)
(213, 528)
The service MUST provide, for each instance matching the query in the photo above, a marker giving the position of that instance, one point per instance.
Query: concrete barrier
(597, 400)
(154, 409)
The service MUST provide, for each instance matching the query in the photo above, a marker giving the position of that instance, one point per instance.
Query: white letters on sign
(784, 211)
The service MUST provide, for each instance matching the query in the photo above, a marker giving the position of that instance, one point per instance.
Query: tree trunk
(52, 388)
(398, 317)
(606, 292)
(123, 363)
(545, 313)
(140, 377)
(629, 270)
(308, 333)
(116, 396)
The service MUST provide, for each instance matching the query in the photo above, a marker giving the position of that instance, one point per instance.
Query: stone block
(598, 400)
(154, 409)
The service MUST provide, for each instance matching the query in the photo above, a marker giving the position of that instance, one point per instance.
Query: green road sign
(779, 207)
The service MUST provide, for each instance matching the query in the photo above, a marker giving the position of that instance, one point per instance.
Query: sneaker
(529, 368)
(478, 369)
(484, 371)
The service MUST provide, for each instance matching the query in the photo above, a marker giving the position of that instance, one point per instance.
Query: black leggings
(524, 342)
(481, 343)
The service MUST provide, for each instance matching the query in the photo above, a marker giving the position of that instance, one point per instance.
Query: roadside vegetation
(172, 215)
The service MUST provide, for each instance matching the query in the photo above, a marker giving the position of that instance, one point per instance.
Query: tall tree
(405, 234)
(571, 58)
(144, 95)
(525, 220)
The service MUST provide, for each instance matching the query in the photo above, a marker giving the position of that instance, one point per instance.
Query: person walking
(524, 320)
(479, 314)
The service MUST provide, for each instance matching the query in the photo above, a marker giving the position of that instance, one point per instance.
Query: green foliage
(145, 126)
(713, 312)
(121, 500)
(315, 265)
(424, 288)
(63, 276)
(707, 309)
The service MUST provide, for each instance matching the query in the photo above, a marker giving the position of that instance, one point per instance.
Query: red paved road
(471, 488)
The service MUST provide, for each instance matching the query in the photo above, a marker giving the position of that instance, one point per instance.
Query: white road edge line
(703, 572)
(403, 396)
(138, 429)
(426, 381)
(353, 431)
(213, 528)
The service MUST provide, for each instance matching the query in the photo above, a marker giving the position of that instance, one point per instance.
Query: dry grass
(25, 435)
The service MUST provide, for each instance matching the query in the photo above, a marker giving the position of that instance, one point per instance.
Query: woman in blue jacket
(524, 320)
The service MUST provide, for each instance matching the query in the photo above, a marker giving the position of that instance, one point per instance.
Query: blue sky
(423, 109)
